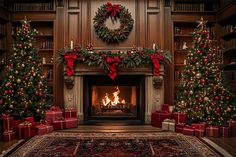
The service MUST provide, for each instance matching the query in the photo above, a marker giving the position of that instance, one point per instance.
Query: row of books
(2, 29)
(32, 6)
(228, 29)
(229, 44)
(46, 45)
(188, 7)
(2, 44)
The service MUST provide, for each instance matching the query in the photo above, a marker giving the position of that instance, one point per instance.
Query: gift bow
(70, 58)
(114, 9)
(113, 62)
(155, 58)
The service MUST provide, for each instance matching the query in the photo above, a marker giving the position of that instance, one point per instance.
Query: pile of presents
(176, 122)
(55, 119)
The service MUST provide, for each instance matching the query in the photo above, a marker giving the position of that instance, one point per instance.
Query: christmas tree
(202, 94)
(24, 90)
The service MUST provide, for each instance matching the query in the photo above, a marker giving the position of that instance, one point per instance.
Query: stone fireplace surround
(154, 88)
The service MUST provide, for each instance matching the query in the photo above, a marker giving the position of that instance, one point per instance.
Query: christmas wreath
(112, 61)
(115, 12)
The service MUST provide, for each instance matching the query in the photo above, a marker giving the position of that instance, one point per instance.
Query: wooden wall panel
(73, 4)
(153, 29)
(73, 27)
(153, 4)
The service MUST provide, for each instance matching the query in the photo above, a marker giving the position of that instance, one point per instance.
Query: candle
(154, 46)
(71, 44)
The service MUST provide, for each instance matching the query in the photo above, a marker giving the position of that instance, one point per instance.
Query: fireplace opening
(119, 100)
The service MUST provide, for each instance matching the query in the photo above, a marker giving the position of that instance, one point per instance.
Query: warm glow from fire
(107, 101)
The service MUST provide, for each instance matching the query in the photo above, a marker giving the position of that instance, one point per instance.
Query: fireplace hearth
(129, 99)
(112, 100)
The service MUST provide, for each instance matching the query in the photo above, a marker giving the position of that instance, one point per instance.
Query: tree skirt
(162, 144)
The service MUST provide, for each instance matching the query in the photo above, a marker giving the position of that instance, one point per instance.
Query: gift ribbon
(70, 58)
(113, 9)
(211, 131)
(156, 58)
(61, 124)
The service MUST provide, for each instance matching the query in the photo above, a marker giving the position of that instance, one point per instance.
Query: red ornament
(217, 98)
(205, 60)
(212, 104)
(198, 51)
(200, 100)
(227, 98)
(20, 46)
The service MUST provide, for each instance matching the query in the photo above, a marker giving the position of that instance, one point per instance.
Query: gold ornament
(11, 106)
(198, 75)
(197, 64)
(206, 99)
(18, 81)
(191, 92)
(37, 110)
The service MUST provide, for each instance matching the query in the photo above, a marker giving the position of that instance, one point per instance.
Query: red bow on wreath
(70, 58)
(113, 62)
(155, 58)
(114, 9)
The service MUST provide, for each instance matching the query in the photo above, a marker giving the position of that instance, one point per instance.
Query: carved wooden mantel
(154, 87)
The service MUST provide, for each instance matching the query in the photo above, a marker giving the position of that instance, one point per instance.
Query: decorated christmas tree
(24, 90)
(202, 94)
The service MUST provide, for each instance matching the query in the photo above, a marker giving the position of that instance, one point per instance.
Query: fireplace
(121, 99)
(139, 92)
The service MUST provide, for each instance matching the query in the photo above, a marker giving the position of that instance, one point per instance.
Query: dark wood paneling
(73, 4)
(153, 4)
(73, 27)
(153, 29)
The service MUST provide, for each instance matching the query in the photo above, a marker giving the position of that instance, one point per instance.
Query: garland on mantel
(111, 61)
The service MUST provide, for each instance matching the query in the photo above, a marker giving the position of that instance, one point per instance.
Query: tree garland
(111, 61)
(114, 11)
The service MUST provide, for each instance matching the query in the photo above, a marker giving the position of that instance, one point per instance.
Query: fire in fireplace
(121, 99)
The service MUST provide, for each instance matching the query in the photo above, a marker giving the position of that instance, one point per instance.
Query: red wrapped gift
(233, 129)
(179, 127)
(30, 119)
(188, 131)
(158, 117)
(9, 135)
(17, 122)
(199, 132)
(59, 124)
(71, 123)
(25, 130)
(70, 113)
(224, 131)
(8, 122)
(165, 107)
(179, 117)
(212, 131)
(53, 114)
(200, 126)
(42, 129)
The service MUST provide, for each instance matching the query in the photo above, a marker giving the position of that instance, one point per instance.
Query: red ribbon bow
(114, 9)
(70, 58)
(155, 58)
(113, 62)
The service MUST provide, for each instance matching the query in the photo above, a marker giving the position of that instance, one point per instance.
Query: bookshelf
(226, 20)
(194, 5)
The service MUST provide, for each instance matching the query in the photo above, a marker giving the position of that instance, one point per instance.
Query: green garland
(127, 59)
(116, 35)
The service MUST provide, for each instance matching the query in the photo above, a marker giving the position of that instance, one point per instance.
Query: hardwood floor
(228, 144)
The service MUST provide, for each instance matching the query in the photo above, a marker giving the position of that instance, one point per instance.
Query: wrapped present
(17, 122)
(199, 132)
(199, 126)
(224, 131)
(25, 130)
(212, 131)
(233, 129)
(70, 113)
(42, 129)
(59, 124)
(71, 123)
(188, 130)
(158, 117)
(53, 114)
(30, 119)
(8, 122)
(179, 127)
(9, 135)
(168, 124)
(179, 117)
(165, 108)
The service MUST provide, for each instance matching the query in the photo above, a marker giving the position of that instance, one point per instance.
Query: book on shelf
(178, 6)
(32, 6)
(46, 45)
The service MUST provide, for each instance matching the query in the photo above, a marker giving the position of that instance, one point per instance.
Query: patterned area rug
(160, 144)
